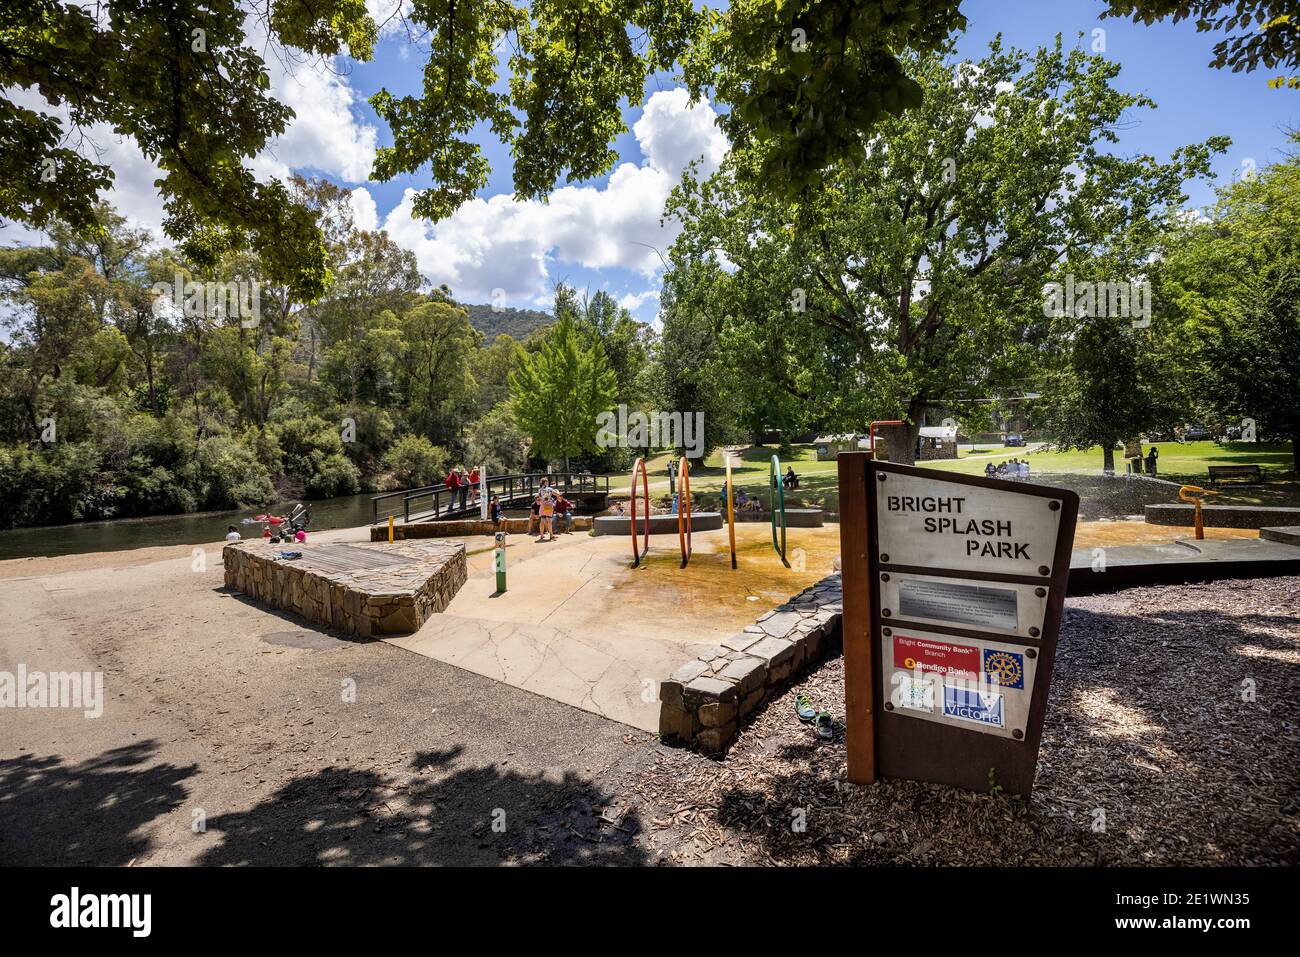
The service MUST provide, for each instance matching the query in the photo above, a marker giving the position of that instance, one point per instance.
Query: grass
(1179, 462)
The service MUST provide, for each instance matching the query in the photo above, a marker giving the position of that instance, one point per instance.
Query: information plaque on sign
(953, 591)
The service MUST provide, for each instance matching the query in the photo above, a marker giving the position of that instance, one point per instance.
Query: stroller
(298, 520)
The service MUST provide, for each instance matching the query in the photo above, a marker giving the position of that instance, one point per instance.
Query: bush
(336, 475)
(414, 461)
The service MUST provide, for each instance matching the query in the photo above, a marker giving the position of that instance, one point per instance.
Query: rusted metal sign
(957, 604)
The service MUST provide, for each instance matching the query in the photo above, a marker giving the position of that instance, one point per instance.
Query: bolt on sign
(953, 591)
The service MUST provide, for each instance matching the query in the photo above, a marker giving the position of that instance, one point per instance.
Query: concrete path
(578, 625)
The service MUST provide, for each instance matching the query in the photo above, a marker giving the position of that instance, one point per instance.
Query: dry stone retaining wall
(392, 599)
(702, 702)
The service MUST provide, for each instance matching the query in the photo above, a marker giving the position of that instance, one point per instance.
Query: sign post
(965, 584)
(501, 562)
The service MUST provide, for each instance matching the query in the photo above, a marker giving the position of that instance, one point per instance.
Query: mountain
(518, 323)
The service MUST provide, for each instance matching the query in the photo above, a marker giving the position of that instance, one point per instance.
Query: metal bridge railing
(442, 501)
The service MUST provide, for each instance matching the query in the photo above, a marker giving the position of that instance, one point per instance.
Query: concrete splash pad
(579, 625)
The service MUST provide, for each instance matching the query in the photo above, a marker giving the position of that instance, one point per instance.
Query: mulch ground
(1172, 737)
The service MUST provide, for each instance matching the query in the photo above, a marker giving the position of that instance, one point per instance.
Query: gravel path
(1172, 737)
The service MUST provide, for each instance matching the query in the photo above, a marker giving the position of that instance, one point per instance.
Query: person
(464, 487)
(497, 513)
(474, 484)
(742, 500)
(232, 534)
(618, 508)
(453, 486)
(563, 508)
(791, 480)
(1152, 455)
(266, 531)
(1024, 470)
(546, 512)
(990, 470)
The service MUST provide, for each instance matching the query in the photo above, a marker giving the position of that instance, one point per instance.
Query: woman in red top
(453, 486)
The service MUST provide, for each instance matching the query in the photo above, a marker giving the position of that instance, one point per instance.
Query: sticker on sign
(970, 704)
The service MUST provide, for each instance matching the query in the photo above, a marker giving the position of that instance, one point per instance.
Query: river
(198, 528)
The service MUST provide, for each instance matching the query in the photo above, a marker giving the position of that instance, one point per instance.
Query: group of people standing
(461, 484)
(549, 508)
(1015, 469)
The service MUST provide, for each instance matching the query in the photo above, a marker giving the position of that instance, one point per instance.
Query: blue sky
(596, 234)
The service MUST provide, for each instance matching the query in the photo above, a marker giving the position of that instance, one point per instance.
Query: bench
(1251, 473)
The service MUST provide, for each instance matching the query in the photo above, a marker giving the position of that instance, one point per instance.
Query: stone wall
(1222, 516)
(703, 701)
(391, 599)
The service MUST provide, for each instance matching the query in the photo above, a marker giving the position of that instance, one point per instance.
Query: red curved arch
(639, 466)
(684, 509)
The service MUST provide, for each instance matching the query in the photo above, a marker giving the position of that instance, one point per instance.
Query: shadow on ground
(445, 815)
(59, 813)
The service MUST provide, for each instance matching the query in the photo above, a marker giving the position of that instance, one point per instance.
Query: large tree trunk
(1108, 457)
(902, 442)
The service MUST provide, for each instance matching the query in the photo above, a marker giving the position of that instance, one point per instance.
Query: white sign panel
(972, 683)
(934, 524)
(1002, 607)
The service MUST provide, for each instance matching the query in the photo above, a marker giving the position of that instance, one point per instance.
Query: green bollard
(501, 562)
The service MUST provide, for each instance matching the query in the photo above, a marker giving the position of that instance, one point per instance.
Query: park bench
(1251, 473)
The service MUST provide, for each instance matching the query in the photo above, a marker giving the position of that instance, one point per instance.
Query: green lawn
(1180, 462)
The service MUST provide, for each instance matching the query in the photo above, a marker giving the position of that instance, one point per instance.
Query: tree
(435, 375)
(557, 394)
(415, 462)
(496, 443)
(915, 280)
(1272, 27)
(1230, 282)
(179, 80)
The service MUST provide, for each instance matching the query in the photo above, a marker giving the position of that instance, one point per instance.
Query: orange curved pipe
(639, 466)
(684, 509)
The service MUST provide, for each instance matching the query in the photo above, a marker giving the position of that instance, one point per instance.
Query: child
(497, 513)
(546, 511)
(232, 534)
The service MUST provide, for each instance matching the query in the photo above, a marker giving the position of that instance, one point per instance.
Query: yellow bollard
(390, 529)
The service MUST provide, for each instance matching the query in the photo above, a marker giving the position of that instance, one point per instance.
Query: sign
(938, 523)
(953, 591)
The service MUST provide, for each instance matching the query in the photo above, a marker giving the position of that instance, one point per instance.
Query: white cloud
(325, 134)
(498, 243)
(633, 300)
(364, 214)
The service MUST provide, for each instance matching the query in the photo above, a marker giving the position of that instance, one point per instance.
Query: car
(1014, 440)
(1196, 433)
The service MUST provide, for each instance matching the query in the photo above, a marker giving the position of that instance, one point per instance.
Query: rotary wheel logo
(1002, 668)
